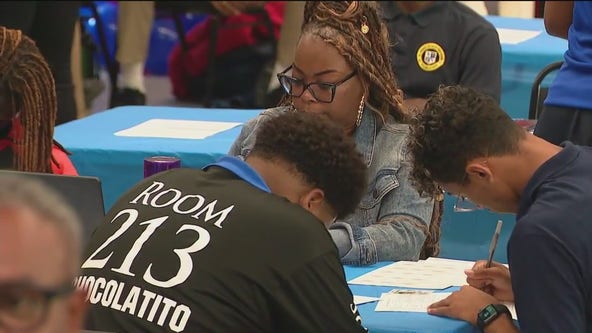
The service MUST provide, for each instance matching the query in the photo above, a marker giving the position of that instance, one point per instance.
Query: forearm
(558, 17)
(399, 237)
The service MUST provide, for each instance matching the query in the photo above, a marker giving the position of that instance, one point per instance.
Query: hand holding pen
(490, 276)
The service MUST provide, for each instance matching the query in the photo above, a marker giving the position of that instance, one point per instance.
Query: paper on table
(516, 36)
(417, 302)
(177, 129)
(364, 299)
(433, 273)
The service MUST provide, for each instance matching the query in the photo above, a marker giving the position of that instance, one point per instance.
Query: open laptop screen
(83, 193)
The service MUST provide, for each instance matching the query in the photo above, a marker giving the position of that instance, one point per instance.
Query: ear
(479, 172)
(314, 201)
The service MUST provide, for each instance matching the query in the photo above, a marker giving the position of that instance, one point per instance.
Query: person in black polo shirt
(441, 43)
(214, 250)
(465, 143)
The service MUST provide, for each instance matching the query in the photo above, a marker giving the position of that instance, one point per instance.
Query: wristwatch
(490, 313)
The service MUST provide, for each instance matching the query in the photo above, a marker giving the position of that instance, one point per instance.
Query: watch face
(487, 313)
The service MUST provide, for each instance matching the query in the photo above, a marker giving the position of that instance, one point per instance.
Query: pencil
(493, 243)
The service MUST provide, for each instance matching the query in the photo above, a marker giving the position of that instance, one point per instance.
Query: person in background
(441, 43)
(341, 72)
(28, 108)
(240, 246)
(465, 144)
(51, 25)
(134, 25)
(39, 258)
(567, 109)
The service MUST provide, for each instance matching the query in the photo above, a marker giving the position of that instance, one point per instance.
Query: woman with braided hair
(342, 71)
(28, 107)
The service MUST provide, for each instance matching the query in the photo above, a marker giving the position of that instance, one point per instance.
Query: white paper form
(364, 299)
(417, 302)
(516, 36)
(433, 273)
(177, 129)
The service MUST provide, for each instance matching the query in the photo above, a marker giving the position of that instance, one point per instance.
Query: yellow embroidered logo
(430, 56)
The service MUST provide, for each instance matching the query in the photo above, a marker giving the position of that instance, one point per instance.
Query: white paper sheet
(417, 302)
(364, 299)
(433, 273)
(516, 36)
(177, 129)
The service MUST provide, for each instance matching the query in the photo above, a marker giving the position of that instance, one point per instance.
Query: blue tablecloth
(399, 322)
(523, 61)
(118, 160)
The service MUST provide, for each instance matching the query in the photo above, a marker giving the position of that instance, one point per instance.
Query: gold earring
(360, 111)
(364, 27)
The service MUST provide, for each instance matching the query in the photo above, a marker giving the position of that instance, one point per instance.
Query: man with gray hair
(39, 258)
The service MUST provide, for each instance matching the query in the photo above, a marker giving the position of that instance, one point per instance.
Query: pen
(493, 244)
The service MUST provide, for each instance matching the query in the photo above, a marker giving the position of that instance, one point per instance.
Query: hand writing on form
(464, 304)
(494, 280)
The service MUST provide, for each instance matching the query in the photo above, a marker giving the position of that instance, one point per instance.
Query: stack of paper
(432, 273)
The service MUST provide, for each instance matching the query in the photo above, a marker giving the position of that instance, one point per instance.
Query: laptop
(83, 193)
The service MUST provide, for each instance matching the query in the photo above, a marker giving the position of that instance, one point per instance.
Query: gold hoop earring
(360, 111)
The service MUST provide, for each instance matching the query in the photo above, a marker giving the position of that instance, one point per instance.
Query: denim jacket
(392, 220)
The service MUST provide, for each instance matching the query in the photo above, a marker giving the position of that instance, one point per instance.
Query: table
(521, 62)
(399, 322)
(118, 160)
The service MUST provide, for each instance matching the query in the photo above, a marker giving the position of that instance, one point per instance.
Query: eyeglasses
(463, 204)
(24, 306)
(323, 92)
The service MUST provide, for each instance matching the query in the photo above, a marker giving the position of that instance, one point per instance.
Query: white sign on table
(177, 129)
(516, 36)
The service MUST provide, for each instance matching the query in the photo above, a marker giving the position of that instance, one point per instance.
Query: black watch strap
(491, 312)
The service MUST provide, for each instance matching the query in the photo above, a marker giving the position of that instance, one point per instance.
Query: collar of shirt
(558, 162)
(242, 170)
(391, 11)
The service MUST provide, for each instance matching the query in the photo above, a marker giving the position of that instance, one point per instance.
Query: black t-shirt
(550, 249)
(446, 43)
(206, 251)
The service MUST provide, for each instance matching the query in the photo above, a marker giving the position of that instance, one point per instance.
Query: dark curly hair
(320, 152)
(339, 23)
(457, 125)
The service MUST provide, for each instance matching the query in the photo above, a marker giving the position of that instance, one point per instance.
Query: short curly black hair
(319, 151)
(457, 125)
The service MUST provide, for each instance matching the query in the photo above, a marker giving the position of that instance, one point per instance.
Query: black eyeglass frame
(47, 295)
(331, 85)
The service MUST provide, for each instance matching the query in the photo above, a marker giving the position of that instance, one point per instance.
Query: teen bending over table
(240, 246)
(497, 164)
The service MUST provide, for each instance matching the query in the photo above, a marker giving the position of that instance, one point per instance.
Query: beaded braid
(27, 81)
